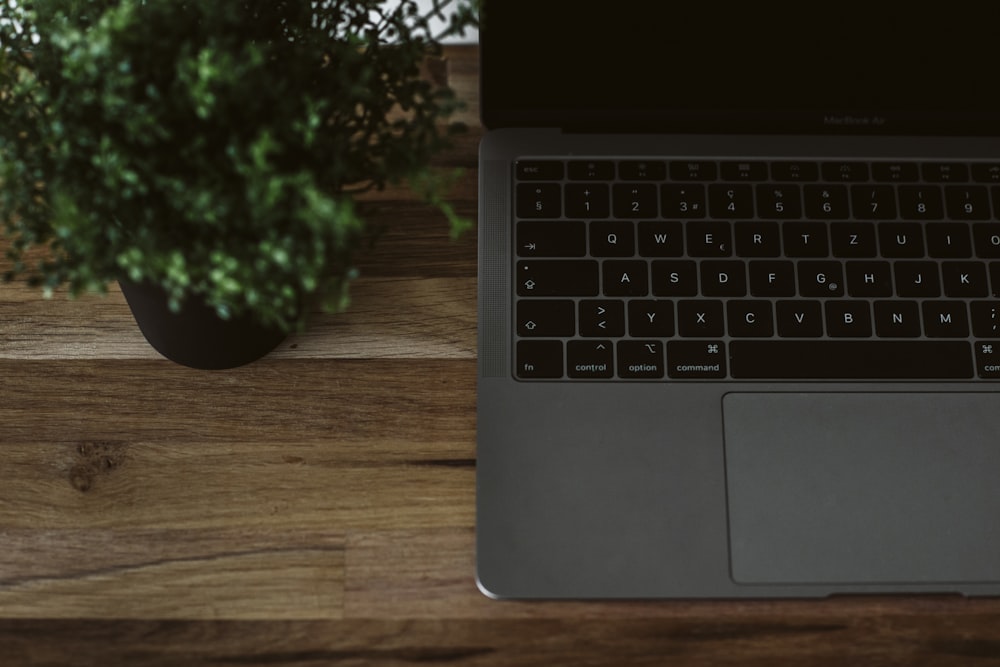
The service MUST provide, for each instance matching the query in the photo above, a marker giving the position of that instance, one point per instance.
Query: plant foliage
(214, 148)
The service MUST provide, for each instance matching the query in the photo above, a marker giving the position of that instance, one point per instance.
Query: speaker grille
(494, 268)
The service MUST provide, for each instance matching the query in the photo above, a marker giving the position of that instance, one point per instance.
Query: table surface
(317, 507)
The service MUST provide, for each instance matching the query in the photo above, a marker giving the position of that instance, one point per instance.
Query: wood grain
(317, 507)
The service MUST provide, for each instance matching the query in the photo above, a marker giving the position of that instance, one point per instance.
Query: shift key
(574, 277)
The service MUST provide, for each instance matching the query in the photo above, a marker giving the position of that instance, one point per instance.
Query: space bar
(850, 360)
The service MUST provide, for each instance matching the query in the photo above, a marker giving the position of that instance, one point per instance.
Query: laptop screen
(708, 66)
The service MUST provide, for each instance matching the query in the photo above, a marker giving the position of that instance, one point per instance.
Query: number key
(873, 202)
(920, 202)
(634, 200)
(826, 202)
(587, 200)
(683, 201)
(778, 201)
(730, 201)
(967, 202)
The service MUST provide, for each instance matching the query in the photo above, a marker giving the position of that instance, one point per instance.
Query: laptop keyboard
(674, 270)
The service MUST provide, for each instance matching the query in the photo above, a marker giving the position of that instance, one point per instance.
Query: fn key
(539, 359)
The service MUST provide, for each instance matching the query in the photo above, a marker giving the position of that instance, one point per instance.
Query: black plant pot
(196, 336)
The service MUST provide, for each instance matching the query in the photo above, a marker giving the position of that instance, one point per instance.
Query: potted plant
(208, 156)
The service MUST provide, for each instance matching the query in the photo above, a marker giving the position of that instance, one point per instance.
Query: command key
(696, 359)
(988, 359)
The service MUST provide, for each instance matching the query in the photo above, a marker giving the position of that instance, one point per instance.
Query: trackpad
(829, 488)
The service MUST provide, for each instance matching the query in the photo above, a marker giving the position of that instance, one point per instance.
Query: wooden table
(317, 507)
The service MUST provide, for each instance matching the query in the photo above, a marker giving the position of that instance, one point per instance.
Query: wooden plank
(250, 573)
(134, 444)
(428, 318)
(705, 638)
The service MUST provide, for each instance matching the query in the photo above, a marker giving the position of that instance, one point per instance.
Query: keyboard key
(660, 238)
(634, 200)
(683, 201)
(945, 319)
(986, 237)
(805, 239)
(612, 238)
(723, 278)
(602, 317)
(917, 279)
(730, 201)
(994, 268)
(945, 172)
(895, 172)
(779, 202)
(897, 319)
(640, 359)
(799, 319)
(693, 170)
(696, 359)
(750, 319)
(744, 171)
(591, 170)
(626, 278)
(850, 360)
(702, 319)
(920, 202)
(539, 200)
(948, 240)
(873, 202)
(853, 239)
(571, 277)
(642, 170)
(590, 359)
(539, 359)
(986, 320)
(710, 238)
(538, 170)
(901, 239)
(821, 278)
(869, 279)
(986, 172)
(988, 359)
(844, 171)
(967, 202)
(826, 202)
(674, 278)
(964, 279)
(650, 318)
(794, 171)
(552, 238)
(587, 200)
(757, 239)
(772, 278)
(848, 319)
(545, 318)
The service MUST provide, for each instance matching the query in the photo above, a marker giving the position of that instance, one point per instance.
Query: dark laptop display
(739, 304)
(878, 67)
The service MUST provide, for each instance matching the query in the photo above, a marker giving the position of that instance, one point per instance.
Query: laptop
(739, 300)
